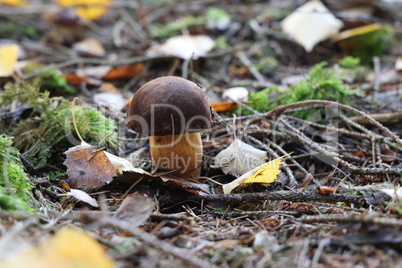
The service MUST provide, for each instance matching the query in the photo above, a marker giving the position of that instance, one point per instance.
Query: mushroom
(173, 112)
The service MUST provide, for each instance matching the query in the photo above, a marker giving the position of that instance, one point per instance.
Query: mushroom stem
(181, 154)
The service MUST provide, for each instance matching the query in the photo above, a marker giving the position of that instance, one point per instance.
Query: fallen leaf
(264, 174)
(310, 24)
(88, 167)
(372, 193)
(108, 87)
(94, 71)
(115, 101)
(88, 9)
(326, 190)
(394, 193)
(75, 79)
(192, 187)
(124, 72)
(239, 158)
(236, 94)
(223, 106)
(123, 165)
(387, 155)
(135, 209)
(8, 59)
(17, 3)
(69, 247)
(356, 31)
(184, 47)
(83, 196)
(89, 47)
(398, 64)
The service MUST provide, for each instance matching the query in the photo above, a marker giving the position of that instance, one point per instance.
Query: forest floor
(334, 115)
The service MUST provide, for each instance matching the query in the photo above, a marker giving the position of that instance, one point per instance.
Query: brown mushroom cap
(169, 105)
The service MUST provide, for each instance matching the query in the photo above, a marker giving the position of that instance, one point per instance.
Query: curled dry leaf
(83, 196)
(311, 24)
(135, 209)
(264, 174)
(239, 158)
(89, 167)
(184, 46)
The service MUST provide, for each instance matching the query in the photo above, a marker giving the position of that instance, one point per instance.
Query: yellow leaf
(87, 9)
(69, 247)
(8, 59)
(16, 3)
(264, 174)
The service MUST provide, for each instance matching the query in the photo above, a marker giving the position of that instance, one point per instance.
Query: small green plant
(14, 182)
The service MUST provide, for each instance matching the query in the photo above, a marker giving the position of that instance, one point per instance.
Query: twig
(280, 195)
(352, 218)
(274, 113)
(377, 80)
(260, 78)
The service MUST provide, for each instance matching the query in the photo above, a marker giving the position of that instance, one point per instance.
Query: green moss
(14, 182)
(321, 84)
(349, 62)
(54, 82)
(45, 133)
(173, 28)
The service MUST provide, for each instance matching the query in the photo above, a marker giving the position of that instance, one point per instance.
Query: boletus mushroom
(173, 112)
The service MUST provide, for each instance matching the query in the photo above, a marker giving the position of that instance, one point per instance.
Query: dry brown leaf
(192, 187)
(387, 155)
(69, 247)
(124, 72)
(75, 79)
(135, 209)
(88, 167)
